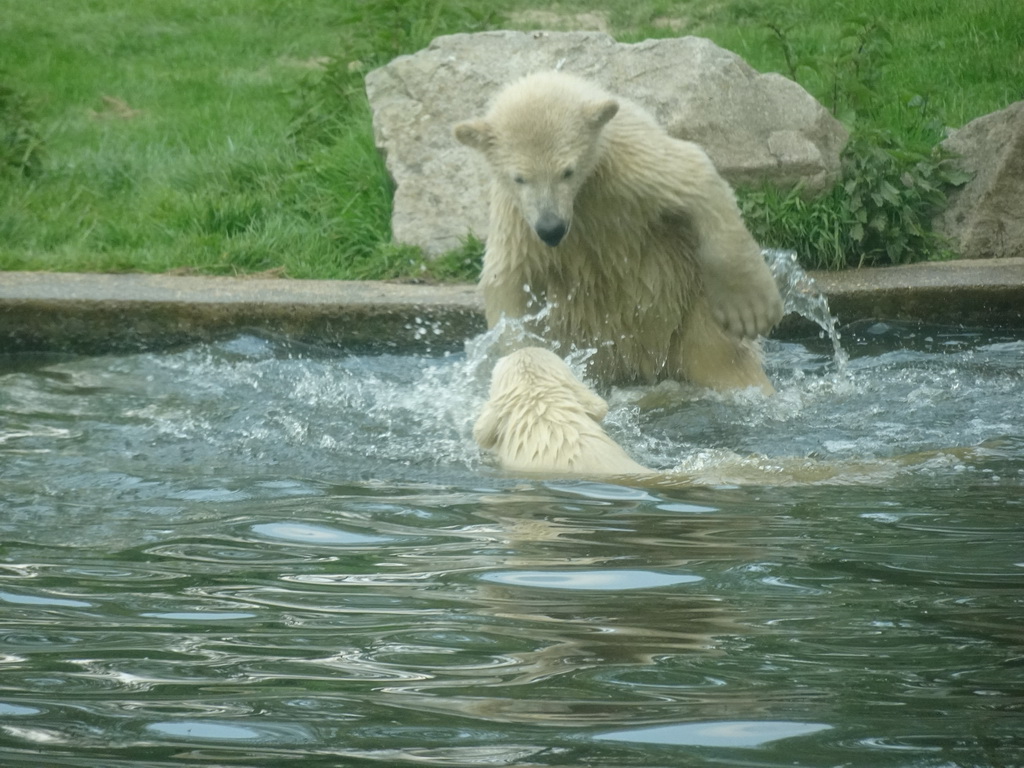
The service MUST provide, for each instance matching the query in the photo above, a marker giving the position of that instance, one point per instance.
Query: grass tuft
(21, 146)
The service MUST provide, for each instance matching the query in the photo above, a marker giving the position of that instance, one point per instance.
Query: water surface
(256, 554)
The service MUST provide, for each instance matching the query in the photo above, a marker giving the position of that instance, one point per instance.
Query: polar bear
(541, 419)
(627, 238)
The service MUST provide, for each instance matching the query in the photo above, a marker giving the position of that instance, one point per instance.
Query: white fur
(630, 237)
(541, 419)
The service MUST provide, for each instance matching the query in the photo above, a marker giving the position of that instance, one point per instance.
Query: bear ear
(474, 133)
(600, 112)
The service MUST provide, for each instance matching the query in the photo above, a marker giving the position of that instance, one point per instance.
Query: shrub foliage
(891, 185)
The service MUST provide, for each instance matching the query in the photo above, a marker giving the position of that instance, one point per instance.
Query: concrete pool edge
(88, 313)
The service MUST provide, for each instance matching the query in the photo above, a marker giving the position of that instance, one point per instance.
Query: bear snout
(551, 229)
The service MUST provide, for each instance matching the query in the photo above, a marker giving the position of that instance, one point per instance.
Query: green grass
(967, 58)
(234, 137)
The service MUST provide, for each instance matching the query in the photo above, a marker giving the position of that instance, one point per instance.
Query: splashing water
(253, 402)
(801, 295)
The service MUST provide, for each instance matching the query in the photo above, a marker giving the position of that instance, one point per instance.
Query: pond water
(252, 553)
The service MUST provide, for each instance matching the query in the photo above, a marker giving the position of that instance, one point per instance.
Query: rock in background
(756, 127)
(985, 217)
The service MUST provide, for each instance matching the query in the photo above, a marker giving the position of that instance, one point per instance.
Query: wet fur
(541, 419)
(655, 271)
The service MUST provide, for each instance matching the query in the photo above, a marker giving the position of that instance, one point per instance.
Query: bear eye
(567, 173)
(519, 178)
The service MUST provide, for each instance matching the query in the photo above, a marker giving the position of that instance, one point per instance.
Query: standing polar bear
(628, 238)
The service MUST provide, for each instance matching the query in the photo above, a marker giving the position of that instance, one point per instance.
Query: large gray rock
(985, 217)
(756, 127)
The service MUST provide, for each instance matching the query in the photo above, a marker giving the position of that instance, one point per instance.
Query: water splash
(509, 333)
(801, 295)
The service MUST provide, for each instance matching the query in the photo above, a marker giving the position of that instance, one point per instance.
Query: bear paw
(745, 302)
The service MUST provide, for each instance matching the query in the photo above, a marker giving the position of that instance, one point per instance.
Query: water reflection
(734, 734)
(214, 731)
(306, 533)
(611, 579)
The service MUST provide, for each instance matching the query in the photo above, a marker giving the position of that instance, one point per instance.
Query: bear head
(542, 140)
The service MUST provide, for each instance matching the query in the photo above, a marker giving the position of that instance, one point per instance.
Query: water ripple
(231, 554)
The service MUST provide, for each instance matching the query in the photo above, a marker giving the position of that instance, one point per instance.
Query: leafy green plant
(878, 214)
(891, 191)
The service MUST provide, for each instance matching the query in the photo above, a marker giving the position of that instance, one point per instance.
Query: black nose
(551, 229)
